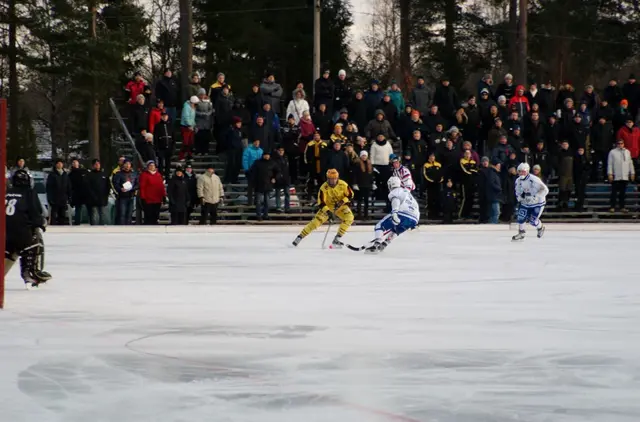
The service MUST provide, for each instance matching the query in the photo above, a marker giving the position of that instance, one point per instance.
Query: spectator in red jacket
(135, 87)
(520, 100)
(630, 134)
(152, 193)
(155, 115)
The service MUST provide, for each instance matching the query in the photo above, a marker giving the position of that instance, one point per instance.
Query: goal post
(3, 189)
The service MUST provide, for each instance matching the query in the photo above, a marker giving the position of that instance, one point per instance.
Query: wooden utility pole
(186, 46)
(405, 45)
(512, 37)
(14, 87)
(521, 77)
(317, 16)
(94, 107)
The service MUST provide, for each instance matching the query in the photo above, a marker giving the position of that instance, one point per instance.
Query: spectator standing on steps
(421, 97)
(342, 92)
(210, 194)
(565, 173)
(620, 170)
(78, 190)
(223, 115)
(152, 193)
(271, 92)
(581, 174)
(494, 191)
(283, 179)
(264, 176)
(135, 87)
(297, 106)
(179, 199)
(234, 151)
(58, 193)
(217, 87)
(125, 184)
(163, 133)
(204, 123)
(167, 91)
(192, 186)
(139, 119)
(188, 127)
(324, 91)
(155, 114)
(97, 189)
(250, 155)
(147, 150)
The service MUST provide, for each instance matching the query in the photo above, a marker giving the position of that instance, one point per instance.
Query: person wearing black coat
(446, 98)
(223, 113)
(390, 111)
(78, 191)
(147, 150)
(363, 177)
(264, 173)
(97, 188)
(234, 149)
(322, 120)
(613, 93)
(358, 111)
(260, 132)
(290, 135)
(192, 187)
(139, 119)
(493, 191)
(546, 99)
(179, 198)
(342, 91)
(542, 158)
(581, 174)
(448, 201)
(484, 206)
(578, 134)
(167, 91)
(631, 93)
(324, 91)
(335, 158)
(419, 152)
(254, 101)
(602, 138)
(163, 137)
(58, 193)
(283, 179)
(433, 119)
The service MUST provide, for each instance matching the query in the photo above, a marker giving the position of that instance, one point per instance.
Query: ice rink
(449, 324)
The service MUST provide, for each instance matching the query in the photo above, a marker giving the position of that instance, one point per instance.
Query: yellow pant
(343, 213)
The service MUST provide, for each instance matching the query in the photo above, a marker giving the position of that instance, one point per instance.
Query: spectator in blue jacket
(125, 183)
(250, 155)
(494, 190)
(373, 98)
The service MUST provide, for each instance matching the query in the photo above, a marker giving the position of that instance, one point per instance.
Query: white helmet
(393, 183)
(523, 170)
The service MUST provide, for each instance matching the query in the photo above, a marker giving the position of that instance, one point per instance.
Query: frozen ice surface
(447, 325)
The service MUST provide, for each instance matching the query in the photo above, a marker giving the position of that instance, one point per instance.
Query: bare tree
(382, 44)
(164, 49)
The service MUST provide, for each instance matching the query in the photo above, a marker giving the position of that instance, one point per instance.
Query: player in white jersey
(405, 214)
(402, 173)
(531, 194)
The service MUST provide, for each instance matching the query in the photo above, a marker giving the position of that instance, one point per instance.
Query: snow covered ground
(449, 324)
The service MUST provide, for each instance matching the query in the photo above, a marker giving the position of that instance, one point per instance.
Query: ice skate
(336, 244)
(518, 237)
(297, 240)
(540, 232)
(30, 282)
(42, 276)
(376, 248)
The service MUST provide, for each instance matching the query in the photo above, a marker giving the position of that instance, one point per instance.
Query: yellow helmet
(332, 177)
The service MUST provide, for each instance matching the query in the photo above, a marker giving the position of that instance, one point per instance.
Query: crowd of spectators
(452, 145)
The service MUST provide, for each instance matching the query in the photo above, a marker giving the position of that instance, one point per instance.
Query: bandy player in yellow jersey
(333, 198)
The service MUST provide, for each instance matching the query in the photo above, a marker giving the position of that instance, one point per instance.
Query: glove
(395, 218)
(331, 217)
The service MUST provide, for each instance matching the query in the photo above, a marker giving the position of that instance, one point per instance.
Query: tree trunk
(405, 46)
(14, 88)
(186, 46)
(94, 106)
(522, 43)
(512, 37)
(451, 65)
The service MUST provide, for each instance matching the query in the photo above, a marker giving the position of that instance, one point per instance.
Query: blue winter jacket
(250, 155)
(188, 117)
(398, 100)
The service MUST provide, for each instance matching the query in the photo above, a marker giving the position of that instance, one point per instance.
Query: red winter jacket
(152, 189)
(631, 138)
(521, 101)
(155, 115)
(135, 88)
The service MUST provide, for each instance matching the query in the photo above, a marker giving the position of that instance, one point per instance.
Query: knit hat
(202, 91)
(508, 76)
(364, 153)
(502, 98)
(415, 113)
(194, 100)
(484, 159)
(343, 110)
(236, 119)
(495, 161)
(94, 161)
(219, 74)
(342, 72)
(484, 91)
(624, 102)
(149, 163)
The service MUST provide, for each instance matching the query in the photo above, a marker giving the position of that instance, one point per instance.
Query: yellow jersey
(329, 196)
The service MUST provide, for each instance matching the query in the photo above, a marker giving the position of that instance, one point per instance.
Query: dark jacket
(192, 187)
(254, 103)
(139, 119)
(565, 165)
(58, 188)
(262, 172)
(358, 113)
(545, 100)
(223, 110)
(97, 188)
(282, 165)
(78, 187)
(233, 140)
(581, 168)
(493, 187)
(323, 123)
(406, 126)
(120, 178)
(342, 94)
(447, 100)
(578, 136)
(432, 120)
(631, 93)
(533, 132)
(419, 152)
(542, 159)
(336, 160)
(613, 95)
(290, 136)
(363, 175)
(263, 134)
(167, 91)
(323, 94)
(602, 137)
(502, 153)
(390, 112)
(147, 151)
(162, 135)
(421, 98)
(376, 127)
(507, 90)
(178, 193)
(372, 99)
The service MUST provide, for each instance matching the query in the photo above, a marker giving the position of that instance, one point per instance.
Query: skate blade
(30, 286)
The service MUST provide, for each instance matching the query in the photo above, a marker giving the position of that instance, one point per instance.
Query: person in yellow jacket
(333, 199)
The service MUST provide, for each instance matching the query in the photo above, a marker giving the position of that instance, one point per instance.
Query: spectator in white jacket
(298, 105)
(620, 170)
(379, 155)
